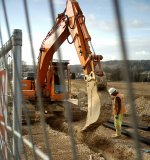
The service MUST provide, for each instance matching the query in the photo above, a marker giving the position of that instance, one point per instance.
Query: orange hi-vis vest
(123, 109)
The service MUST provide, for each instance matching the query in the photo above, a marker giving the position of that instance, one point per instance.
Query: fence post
(17, 103)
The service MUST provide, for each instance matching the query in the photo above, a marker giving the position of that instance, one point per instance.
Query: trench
(98, 140)
(87, 138)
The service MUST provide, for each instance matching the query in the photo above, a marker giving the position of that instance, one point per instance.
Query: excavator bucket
(99, 105)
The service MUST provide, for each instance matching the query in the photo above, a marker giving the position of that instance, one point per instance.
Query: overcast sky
(100, 21)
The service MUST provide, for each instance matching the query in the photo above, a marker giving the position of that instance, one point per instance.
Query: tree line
(138, 71)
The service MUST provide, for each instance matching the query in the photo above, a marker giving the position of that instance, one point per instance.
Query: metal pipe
(3, 55)
(6, 48)
(17, 103)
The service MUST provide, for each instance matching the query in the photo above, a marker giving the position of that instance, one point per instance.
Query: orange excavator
(52, 80)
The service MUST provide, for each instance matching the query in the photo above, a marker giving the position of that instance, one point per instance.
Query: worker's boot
(115, 136)
(118, 133)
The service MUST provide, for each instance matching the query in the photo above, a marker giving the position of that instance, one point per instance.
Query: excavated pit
(100, 140)
(96, 145)
(91, 139)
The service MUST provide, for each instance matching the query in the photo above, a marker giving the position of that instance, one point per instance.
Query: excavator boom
(72, 23)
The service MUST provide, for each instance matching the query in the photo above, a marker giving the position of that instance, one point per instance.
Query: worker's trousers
(118, 124)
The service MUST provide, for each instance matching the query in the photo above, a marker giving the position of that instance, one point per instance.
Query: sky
(100, 21)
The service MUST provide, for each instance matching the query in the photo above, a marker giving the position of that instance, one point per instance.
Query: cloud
(138, 43)
(56, 2)
(146, 29)
(142, 6)
(105, 42)
(37, 1)
(142, 53)
(139, 54)
(138, 49)
(37, 38)
(104, 25)
(91, 17)
(136, 23)
(59, 2)
(68, 52)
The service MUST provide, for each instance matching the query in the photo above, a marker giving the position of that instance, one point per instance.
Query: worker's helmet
(112, 90)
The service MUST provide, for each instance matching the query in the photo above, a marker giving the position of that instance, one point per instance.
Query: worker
(118, 110)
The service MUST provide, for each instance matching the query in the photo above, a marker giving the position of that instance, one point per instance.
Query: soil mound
(142, 106)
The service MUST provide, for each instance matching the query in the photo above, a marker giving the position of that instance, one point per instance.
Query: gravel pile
(142, 105)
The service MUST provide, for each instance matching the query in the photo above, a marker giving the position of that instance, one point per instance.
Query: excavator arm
(72, 23)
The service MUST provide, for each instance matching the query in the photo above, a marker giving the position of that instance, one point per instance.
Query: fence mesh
(13, 143)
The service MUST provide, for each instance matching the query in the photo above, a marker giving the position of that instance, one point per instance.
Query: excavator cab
(58, 81)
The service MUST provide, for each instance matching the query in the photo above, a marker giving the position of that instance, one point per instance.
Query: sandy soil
(97, 145)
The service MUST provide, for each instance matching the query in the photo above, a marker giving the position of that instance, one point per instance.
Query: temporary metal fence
(13, 44)
(11, 140)
(13, 126)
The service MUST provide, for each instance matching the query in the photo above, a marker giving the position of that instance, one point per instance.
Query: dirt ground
(97, 145)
